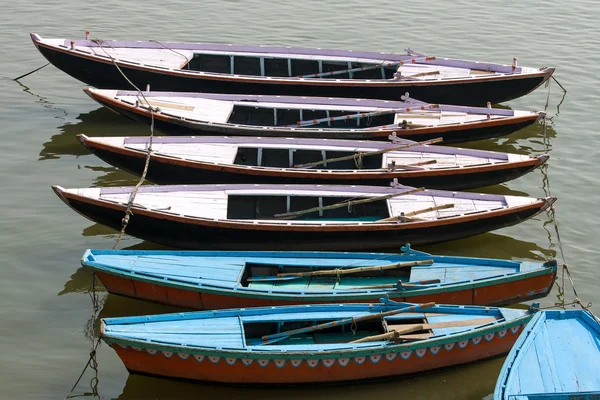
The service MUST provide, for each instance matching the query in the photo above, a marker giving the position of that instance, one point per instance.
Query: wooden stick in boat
(397, 285)
(268, 339)
(446, 324)
(369, 153)
(346, 203)
(356, 270)
(389, 335)
(421, 74)
(411, 167)
(416, 212)
(419, 283)
(348, 70)
(370, 67)
(308, 122)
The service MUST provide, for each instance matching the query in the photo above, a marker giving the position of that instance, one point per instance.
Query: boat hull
(452, 133)
(504, 293)
(192, 233)
(167, 170)
(338, 368)
(104, 74)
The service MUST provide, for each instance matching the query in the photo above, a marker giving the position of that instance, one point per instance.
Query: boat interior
(399, 328)
(273, 66)
(267, 207)
(287, 158)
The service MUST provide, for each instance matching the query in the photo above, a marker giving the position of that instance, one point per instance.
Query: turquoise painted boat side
(221, 272)
(220, 333)
(556, 357)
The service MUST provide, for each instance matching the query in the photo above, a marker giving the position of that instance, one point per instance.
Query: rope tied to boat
(358, 161)
(153, 110)
(187, 64)
(353, 326)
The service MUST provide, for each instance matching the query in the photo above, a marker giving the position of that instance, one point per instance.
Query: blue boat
(557, 357)
(312, 343)
(229, 279)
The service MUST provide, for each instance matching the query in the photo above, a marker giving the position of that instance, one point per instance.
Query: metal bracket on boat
(394, 183)
(394, 138)
(410, 52)
(407, 251)
(405, 97)
(534, 307)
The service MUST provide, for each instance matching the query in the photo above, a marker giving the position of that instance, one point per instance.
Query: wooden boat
(227, 68)
(228, 279)
(555, 358)
(285, 160)
(316, 117)
(315, 217)
(311, 343)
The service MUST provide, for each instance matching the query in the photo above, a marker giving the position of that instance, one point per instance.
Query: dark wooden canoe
(175, 113)
(226, 68)
(253, 216)
(229, 279)
(272, 160)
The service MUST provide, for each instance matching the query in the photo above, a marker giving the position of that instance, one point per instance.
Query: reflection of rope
(92, 360)
(128, 212)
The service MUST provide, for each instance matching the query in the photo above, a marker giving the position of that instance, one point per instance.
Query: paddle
(368, 153)
(276, 337)
(346, 203)
(338, 271)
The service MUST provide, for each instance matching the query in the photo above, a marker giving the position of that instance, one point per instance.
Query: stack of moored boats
(289, 153)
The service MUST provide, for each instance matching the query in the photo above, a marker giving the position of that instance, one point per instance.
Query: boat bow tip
(542, 158)
(35, 37)
(548, 201)
(82, 138)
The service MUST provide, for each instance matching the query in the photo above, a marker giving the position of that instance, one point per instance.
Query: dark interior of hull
(268, 116)
(286, 67)
(255, 272)
(287, 158)
(341, 333)
(266, 207)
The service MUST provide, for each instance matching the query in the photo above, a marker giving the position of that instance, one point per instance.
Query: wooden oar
(348, 70)
(370, 67)
(346, 203)
(398, 285)
(356, 270)
(337, 271)
(309, 122)
(416, 212)
(389, 335)
(368, 153)
(409, 167)
(276, 337)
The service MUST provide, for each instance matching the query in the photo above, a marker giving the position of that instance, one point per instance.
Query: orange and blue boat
(312, 343)
(556, 358)
(229, 279)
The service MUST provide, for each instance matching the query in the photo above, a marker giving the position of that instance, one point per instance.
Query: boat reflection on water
(99, 122)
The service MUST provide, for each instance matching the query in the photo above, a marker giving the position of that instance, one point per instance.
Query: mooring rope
(552, 215)
(128, 212)
(176, 52)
